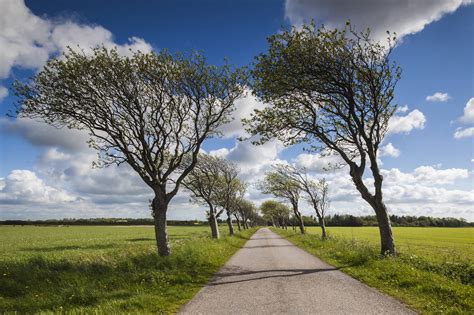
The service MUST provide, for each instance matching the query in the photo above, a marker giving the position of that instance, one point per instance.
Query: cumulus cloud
(402, 109)
(3, 92)
(438, 97)
(23, 186)
(401, 16)
(389, 150)
(468, 116)
(428, 175)
(44, 135)
(254, 160)
(244, 107)
(464, 133)
(318, 163)
(404, 124)
(28, 40)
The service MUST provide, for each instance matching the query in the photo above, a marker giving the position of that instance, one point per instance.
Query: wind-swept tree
(275, 212)
(281, 185)
(152, 111)
(316, 192)
(203, 183)
(245, 211)
(332, 89)
(230, 190)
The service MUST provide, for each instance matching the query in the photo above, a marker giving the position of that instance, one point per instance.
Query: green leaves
(150, 110)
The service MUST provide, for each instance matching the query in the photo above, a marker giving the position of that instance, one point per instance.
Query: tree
(332, 89)
(316, 191)
(275, 212)
(229, 191)
(152, 111)
(245, 211)
(203, 182)
(281, 185)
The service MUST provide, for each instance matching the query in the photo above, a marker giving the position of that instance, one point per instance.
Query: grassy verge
(106, 269)
(425, 284)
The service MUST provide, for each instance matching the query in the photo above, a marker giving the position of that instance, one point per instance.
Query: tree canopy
(332, 89)
(152, 111)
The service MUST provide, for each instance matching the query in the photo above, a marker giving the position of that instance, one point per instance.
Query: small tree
(275, 212)
(281, 185)
(316, 192)
(246, 211)
(334, 90)
(203, 182)
(229, 191)
(152, 111)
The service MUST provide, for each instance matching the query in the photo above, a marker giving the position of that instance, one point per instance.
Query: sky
(426, 159)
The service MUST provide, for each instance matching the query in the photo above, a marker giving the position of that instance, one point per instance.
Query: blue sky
(428, 161)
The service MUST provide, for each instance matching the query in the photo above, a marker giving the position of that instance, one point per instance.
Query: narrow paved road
(270, 275)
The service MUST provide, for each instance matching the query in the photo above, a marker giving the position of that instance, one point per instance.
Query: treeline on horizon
(331, 220)
(371, 220)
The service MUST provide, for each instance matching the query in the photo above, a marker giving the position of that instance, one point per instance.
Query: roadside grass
(106, 269)
(421, 278)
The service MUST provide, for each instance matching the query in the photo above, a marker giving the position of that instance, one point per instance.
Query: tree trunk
(238, 223)
(229, 223)
(213, 223)
(301, 223)
(299, 217)
(387, 244)
(322, 224)
(161, 233)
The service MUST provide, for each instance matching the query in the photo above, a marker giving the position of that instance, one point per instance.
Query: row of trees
(289, 184)
(328, 89)
(214, 183)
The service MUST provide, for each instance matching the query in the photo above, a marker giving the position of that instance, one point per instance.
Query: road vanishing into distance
(270, 275)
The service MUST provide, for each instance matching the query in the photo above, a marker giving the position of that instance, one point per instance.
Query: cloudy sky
(427, 158)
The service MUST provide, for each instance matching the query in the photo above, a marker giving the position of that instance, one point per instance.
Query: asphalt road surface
(270, 275)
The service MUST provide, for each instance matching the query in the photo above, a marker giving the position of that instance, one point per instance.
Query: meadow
(433, 272)
(106, 269)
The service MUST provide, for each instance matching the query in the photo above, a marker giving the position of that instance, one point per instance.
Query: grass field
(106, 269)
(433, 273)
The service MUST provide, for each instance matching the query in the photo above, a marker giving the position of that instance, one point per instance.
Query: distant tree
(203, 183)
(152, 111)
(281, 185)
(275, 212)
(246, 210)
(316, 191)
(230, 190)
(334, 90)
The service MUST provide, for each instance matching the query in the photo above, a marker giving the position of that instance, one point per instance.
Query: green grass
(433, 273)
(106, 269)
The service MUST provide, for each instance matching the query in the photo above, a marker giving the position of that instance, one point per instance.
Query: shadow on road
(265, 246)
(286, 273)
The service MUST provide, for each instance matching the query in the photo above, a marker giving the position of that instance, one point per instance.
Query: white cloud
(244, 107)
(253, 160)
(401, 16)
(319, 163)
(3, 93)
(404, 124)
(464, 133)
(438, 97)
(23, 186)
(222, 152)
(468, 116)
(41, 134)
(389, 150)
(27, 40)
(402, 109)
(426, 175)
